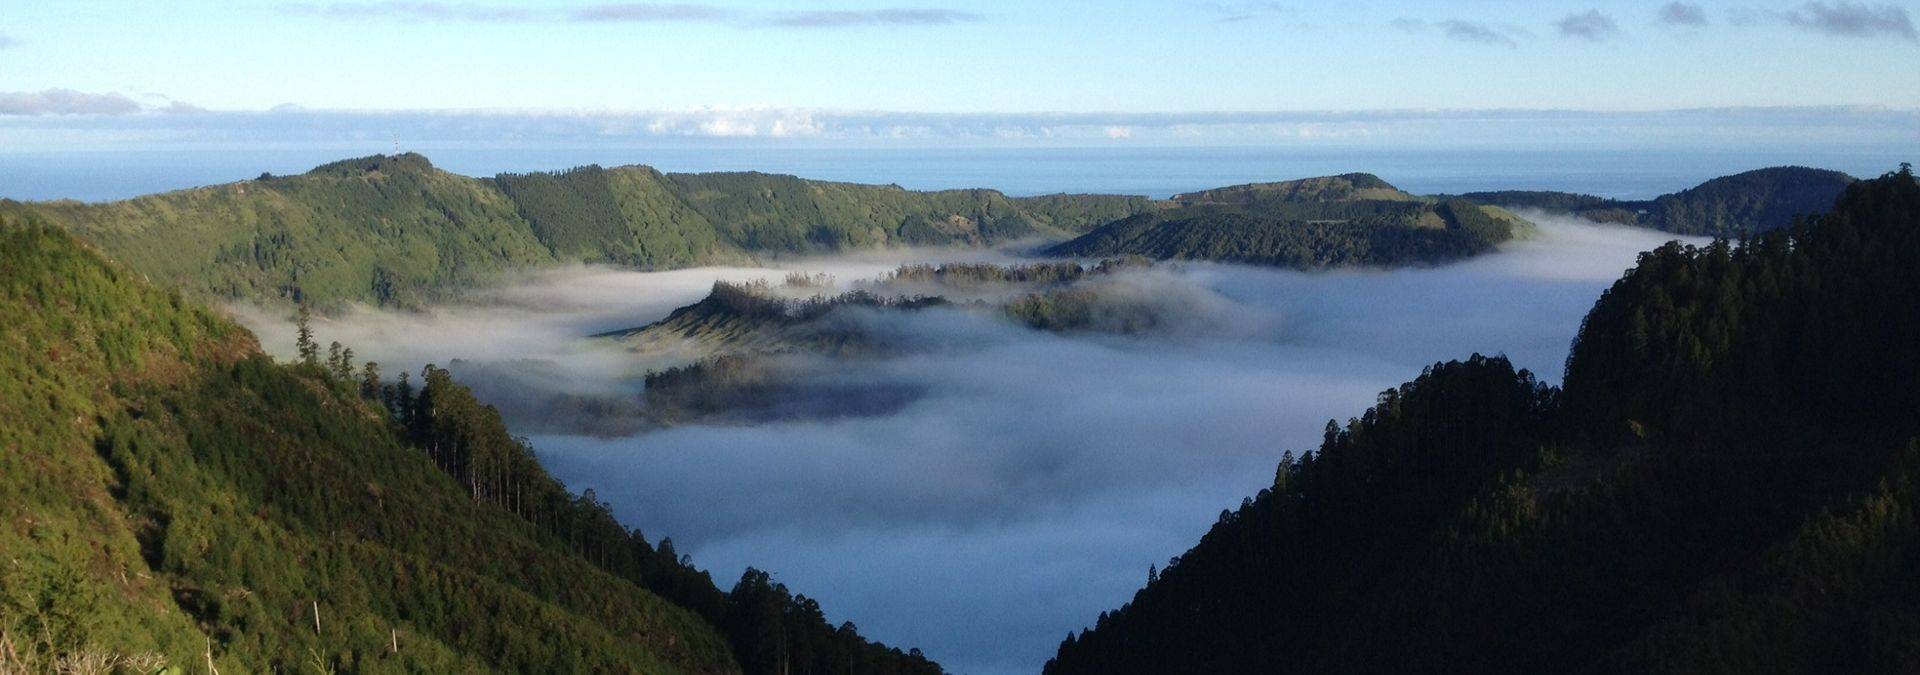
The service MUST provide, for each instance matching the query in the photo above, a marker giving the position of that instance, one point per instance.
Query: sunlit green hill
(170, 495)
(395, 230)
(1346, 220)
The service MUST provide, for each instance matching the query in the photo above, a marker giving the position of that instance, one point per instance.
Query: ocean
(1156, 172)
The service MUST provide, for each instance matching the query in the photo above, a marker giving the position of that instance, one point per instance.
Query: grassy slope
(166, 488)
(395, 230)
(390, 230)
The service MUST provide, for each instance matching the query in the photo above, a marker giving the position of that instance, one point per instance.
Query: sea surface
(1156, 172)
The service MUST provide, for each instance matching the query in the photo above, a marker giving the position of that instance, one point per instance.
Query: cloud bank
(631, 12)
(62, 120)
(66, 102)
(1031, 465)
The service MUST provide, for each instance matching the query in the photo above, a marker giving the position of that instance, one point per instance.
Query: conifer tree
(303, 340)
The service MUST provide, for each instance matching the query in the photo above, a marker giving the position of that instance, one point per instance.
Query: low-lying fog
(1037, 475)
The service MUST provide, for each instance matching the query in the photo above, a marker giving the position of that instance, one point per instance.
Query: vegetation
(169, 495)
(1082, 308)
(1350, 220)
(1743, 204)
(395, 230)
(755, 317)
(1725, 483)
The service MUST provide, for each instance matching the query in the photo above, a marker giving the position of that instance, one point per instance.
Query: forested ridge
(395, 230)
(171, 496)
(1742, 204)
(1346, 220)
(1725, 482)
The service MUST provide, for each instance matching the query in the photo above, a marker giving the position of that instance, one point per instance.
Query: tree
(370, 381)
(303, 340)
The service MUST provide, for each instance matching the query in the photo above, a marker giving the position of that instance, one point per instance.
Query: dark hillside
(1725, 484)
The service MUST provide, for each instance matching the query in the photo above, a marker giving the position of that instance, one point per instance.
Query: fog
(1035, 476)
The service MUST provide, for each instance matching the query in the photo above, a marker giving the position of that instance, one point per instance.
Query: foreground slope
(168, 489)
(1351, 219)
(169, 494)
(1742, 204)
(395, 230)
(1725, 483)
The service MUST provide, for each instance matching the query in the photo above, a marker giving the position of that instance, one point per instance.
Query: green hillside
(170, 495)
(1743, 204)
(389, 230)
(395, 230)
(1726, 483)
(1347, 220)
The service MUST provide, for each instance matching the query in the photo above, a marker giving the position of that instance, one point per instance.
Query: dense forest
(171, 496)
(395, 230)
(1742, 204)
(1725, 482)
(1347, 220)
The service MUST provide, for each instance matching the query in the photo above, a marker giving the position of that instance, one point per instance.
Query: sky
(987, 71)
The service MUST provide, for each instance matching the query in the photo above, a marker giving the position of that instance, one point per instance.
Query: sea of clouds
(1034, 477)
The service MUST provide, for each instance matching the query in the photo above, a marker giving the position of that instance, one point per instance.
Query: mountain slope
(395, 230)
(1742, 204)
(169, 494)
(391, 230)
(1725, 483)
(1352, 219)
(168, 489)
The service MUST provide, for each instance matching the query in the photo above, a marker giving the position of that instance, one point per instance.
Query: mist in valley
(1016, 482)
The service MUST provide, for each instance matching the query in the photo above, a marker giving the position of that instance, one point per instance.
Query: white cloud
(630, 12)
(66, 102)
(1076, 459)
(292, 126)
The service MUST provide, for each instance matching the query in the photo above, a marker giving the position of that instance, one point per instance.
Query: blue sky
(992, 57)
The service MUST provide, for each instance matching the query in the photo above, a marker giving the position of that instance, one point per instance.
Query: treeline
(756, 317)
(962, 275)
(1725, 484)
(770, 630)
(1336, 221)
(1248, 239)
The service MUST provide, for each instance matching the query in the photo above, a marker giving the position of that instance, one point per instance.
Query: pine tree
(309, 351)
(370, 381)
